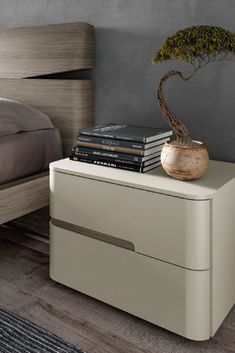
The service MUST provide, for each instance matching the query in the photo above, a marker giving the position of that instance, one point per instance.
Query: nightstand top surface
(217, 175)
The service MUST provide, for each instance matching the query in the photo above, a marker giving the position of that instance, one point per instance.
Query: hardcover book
(134, 151)
(82, 155)
(109, 154)
(115, 165)
(118, 143)
(127, 132)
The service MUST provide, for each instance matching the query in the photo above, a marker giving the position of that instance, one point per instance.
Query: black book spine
(107, 154)
(111, 164)
(90, 145)
(110, 142)
(108, 159)
(110, 136)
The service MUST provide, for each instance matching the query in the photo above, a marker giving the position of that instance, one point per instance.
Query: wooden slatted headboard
(68, 103)
(33, 51)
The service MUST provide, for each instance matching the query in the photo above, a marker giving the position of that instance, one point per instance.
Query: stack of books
(121, 146)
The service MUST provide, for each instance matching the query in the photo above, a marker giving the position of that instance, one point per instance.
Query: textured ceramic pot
(185, 162)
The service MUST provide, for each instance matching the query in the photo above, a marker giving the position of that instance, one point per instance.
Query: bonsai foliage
(198, 46)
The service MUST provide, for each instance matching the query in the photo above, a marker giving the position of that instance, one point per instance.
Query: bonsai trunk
(182, 134)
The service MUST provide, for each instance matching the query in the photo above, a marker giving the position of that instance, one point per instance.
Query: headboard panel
(35, 51)
(69, 103)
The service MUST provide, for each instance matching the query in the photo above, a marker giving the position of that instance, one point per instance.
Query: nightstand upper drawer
(164, 227)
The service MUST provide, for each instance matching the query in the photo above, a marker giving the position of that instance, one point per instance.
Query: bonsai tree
(198, 46)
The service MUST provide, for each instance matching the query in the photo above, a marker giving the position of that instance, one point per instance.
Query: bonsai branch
(182, 134)
(199, 46)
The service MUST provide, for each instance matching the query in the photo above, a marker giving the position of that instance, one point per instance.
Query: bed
(28, 153)
(26, 56)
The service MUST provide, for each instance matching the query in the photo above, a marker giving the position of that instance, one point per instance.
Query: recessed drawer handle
(94, 234)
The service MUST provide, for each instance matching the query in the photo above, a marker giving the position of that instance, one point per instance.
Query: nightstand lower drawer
(169, 296)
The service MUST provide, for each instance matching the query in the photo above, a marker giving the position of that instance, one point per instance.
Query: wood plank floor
(26, 289)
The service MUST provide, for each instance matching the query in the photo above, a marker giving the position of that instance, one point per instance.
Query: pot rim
(198, 144)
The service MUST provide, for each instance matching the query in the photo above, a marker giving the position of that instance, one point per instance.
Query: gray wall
(127, 34)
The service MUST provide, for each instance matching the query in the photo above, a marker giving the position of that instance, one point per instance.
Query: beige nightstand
(158, 248)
